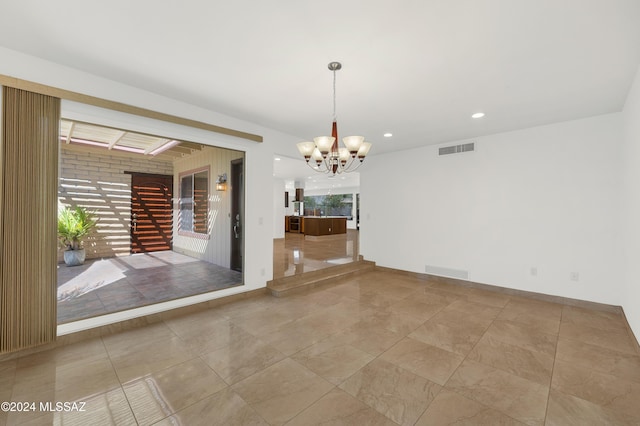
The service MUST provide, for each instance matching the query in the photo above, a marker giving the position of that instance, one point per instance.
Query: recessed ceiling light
(478, 115)
(388, 135)
(277, 158)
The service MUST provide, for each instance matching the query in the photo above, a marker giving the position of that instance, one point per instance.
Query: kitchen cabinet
(317, 226)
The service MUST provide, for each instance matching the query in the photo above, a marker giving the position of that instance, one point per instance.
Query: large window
(329, 205)
(194, 201)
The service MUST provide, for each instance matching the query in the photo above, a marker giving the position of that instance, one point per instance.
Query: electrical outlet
(574, 276)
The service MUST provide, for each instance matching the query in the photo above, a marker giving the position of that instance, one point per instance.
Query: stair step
(287, 286)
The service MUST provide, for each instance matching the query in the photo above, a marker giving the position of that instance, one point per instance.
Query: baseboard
(509, 291)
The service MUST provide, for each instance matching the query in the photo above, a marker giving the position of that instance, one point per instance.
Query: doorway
(151, 213)
(237, 213)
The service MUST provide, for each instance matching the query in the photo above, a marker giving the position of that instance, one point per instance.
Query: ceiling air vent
(455, 149)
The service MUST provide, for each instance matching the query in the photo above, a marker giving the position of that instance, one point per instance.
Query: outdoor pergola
(74, 132)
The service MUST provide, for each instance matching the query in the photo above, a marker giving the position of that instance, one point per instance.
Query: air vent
(446, 272)
(455, 149)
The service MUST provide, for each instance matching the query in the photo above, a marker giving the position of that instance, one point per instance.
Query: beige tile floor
(296, 253)
(379, 348)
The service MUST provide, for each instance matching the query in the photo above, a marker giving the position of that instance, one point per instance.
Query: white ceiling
(417, 69)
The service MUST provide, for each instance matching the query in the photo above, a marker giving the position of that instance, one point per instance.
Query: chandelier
(324, 150)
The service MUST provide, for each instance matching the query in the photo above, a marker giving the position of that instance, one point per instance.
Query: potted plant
(73, 225)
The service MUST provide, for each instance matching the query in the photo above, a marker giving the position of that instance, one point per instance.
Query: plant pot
(74, 257)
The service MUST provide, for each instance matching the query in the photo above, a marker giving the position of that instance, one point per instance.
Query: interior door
(237, 213)
(151, 212)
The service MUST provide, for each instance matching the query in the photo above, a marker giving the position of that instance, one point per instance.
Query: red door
(151, 212)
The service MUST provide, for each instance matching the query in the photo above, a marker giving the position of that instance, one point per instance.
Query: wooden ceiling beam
(156, 145)
(70, 135)
(116, 140)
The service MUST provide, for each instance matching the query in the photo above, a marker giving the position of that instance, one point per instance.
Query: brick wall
(96, 179)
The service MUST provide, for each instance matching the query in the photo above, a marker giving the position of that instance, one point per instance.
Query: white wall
(631, 197)
(278, 208)
(546, 197)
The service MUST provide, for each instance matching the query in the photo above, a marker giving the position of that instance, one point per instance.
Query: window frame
(193, 231)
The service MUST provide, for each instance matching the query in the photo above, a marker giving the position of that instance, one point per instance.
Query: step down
(287, 286)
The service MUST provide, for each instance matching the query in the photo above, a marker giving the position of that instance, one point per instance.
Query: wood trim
(206, 168)
(178, 196)
(126, 172)
(122, 107)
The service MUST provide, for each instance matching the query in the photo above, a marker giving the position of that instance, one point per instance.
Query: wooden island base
(319, 225)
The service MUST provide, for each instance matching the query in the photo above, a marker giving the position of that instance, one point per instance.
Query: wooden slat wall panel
(28, 207)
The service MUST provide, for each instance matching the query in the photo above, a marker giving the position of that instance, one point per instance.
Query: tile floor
(110, 285)
(375, 349)
(297, 254)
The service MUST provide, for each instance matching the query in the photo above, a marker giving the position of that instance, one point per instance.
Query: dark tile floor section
(110, 285)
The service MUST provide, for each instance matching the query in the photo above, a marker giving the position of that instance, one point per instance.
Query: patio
(105, 286)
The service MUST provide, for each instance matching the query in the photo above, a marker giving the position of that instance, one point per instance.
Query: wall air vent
(455, 149)
(446, 272)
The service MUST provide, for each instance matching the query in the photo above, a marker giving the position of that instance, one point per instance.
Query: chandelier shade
(306, 149)
(364, 150)
(324, 144)
(353, 143)
(325, 155)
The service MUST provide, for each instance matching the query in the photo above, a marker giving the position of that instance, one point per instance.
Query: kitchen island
(324, 225)
(316, 225)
